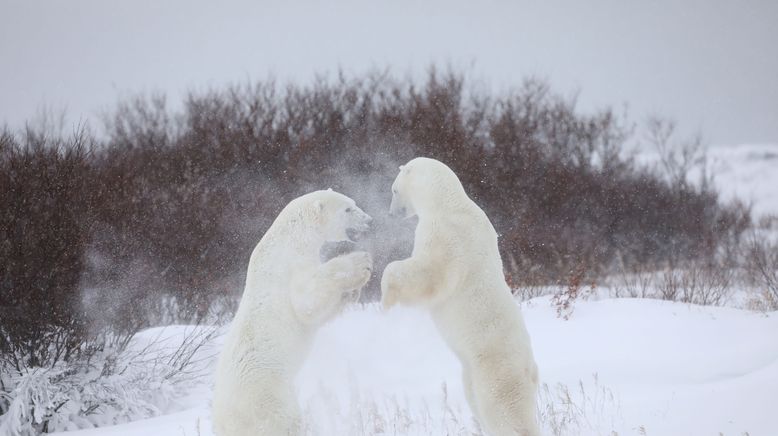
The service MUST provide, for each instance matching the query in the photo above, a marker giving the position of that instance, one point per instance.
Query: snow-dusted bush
(57, 399)
(113, 386)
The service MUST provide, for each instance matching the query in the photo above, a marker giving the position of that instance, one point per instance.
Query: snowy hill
(626, 365)
(748, 172)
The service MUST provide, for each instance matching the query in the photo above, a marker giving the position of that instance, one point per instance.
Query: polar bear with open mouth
(289, 294)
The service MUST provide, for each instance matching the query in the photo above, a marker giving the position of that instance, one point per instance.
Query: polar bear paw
(390, 286)
(354, 270)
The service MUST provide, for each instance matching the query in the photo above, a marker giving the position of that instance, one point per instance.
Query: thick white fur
(289, 293)
(456, 272)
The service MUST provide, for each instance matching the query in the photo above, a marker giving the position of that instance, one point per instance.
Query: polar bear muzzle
(360, 229)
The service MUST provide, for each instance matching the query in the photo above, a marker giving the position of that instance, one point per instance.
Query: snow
(748, 172)
(632, 366)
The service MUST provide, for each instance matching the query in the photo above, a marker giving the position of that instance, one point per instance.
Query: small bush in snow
(706, 282)
(132, 382)
(703, 284)
(763, 268)
(564, 299)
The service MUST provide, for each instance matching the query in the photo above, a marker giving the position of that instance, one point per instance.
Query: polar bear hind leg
(281, 418)
(502, 400)
(467, 383)
(284, 421)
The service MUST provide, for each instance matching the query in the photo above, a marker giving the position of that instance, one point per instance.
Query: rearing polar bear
(289, 293)
(456, 272)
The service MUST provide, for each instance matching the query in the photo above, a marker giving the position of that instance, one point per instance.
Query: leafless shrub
(762, 266)
(636, 283)
(528, 292)
(707, 284)
(677, 160)
(564, 300)
(44, 227)
(767, 222)
(385, 416)
(525, 288)
(584, 409)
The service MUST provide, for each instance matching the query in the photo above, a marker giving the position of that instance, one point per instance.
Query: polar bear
(455, 271)
(289, 293)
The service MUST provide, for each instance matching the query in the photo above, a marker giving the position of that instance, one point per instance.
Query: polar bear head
(334, 216)
(424, 184)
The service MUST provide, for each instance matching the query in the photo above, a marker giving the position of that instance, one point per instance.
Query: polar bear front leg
(321, 295)
(409, 281)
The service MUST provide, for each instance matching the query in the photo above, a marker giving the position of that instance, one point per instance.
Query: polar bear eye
(348, 210)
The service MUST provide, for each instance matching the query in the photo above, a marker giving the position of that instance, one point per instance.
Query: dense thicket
(159, 216)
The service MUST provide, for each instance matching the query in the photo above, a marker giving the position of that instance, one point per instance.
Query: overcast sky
(711, 65)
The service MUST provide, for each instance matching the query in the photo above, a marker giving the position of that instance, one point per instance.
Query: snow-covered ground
(627, 365)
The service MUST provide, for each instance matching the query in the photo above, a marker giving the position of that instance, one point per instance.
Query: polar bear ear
(329, 189)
